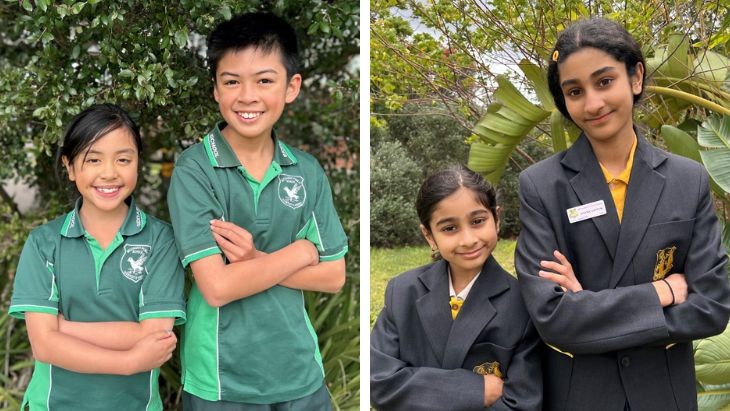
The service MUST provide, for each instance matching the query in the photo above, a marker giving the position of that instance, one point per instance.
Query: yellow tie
(455, 303)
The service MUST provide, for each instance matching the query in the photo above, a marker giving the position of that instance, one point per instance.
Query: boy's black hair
(262, 31)
(445, 183)
(89, 126)
(605, 35)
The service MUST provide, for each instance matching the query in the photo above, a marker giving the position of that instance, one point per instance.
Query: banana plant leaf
(695, 80)
(712, 359)
(683, 144)
(714, 398)
(506, 123)
(714, 138)
(712, 367)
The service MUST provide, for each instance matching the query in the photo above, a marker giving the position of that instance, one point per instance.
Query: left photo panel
(180, 205)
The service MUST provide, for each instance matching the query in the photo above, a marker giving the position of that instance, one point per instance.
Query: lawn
(386, 263)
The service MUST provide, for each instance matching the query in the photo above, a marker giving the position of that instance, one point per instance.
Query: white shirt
(466, 289)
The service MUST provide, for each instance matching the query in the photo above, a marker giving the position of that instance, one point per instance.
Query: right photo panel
(549, 205)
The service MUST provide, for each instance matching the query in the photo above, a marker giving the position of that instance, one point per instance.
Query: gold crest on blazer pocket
(484, 354)
(663, 250)
(664, 262)
(489, 368)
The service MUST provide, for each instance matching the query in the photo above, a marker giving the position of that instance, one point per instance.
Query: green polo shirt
(63, 269)
(261, 349)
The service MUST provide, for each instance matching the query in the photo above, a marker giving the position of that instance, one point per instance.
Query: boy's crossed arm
(251, 271)
(237, 245)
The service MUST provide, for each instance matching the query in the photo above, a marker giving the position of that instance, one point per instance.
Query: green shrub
(434, 142)
(394, 182)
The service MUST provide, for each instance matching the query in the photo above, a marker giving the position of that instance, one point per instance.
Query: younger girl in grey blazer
(454, 334)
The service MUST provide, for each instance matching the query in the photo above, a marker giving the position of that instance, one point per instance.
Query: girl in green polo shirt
(99, 287)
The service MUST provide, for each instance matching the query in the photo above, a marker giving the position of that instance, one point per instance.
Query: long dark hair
(605, 35)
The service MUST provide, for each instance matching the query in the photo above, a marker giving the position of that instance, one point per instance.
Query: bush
(394, 182)
(434, 142)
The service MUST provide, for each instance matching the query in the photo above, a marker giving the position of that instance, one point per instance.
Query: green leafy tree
(58, 58)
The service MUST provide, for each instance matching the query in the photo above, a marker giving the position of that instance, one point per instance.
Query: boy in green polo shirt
(248, 342)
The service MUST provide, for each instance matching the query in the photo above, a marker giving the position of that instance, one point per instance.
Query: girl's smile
(472, 254)
(106, 173)
(464, 231)
(600, 119)
(599, 94)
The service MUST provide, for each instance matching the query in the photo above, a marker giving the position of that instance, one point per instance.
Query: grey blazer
(421, 359)
(619, 347)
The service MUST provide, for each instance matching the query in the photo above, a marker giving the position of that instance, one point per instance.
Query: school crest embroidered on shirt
(664, 262)
(291, 190)
(133, 261)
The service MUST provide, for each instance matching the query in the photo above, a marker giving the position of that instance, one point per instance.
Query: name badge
(586, 211)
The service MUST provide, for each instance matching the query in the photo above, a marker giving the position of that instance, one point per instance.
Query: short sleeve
(162, 289)
(323, 227)
(34, 287)
(193, 204)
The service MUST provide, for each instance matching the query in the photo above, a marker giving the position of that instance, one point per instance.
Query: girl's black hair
(89, 126)
(445, 183)
(605, 35)
(263, 31)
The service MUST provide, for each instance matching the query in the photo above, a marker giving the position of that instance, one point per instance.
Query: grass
(386, 263)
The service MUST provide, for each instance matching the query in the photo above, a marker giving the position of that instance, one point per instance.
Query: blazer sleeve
(707, 308)
(522, 389)
(395, 385)
(585, 322)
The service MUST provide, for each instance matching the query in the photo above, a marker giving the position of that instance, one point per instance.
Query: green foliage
(434, 142)
(505, 124)
(713, 371)
(148, 57)
(393, 218)
(714, 137)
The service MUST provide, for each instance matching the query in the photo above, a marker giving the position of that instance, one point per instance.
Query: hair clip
(556, 54)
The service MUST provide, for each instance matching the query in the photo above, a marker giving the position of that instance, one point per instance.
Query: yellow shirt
(618, 184)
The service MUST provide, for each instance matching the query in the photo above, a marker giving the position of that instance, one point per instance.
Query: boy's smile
(251, 89)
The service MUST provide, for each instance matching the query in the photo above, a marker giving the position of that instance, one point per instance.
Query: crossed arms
(251, 271)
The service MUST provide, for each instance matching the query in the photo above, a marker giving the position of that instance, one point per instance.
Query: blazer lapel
(580, 158)
(645, 188)
(433, 307)
(475, 314)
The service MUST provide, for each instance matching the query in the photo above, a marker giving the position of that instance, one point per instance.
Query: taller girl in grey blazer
(619, 258)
